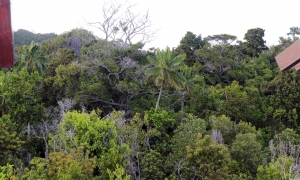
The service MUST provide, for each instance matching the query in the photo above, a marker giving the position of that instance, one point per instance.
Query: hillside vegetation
(76, 106)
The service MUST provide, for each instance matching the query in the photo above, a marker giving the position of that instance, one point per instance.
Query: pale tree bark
(110, 20)
(159, 96)
(283, 149)
(136, 24)
(179, 167)
(28, 139)
(217, 136)
(50, 123)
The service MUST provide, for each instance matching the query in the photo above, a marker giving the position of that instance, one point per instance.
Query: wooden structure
(290, 57)
(6, 40)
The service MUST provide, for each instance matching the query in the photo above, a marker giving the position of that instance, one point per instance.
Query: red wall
(6, 42)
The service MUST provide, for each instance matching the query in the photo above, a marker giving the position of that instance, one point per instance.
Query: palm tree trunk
(160, 92)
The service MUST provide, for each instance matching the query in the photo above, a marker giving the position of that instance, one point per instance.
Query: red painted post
(6, 41)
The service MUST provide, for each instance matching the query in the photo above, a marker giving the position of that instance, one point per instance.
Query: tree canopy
(78, 106)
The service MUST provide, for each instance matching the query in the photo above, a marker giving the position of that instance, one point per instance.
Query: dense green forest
(77, 106)
(25, 37)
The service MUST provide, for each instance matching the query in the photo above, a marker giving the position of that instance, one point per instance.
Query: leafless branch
(282, 149)
(108, 26)
(48, 125)
(65, 105)
(118, 24)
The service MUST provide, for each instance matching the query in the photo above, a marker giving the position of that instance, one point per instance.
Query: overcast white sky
(173, 17)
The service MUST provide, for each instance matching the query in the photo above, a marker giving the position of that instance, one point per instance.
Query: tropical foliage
(32, 59)
(166, 71)
(214, 107)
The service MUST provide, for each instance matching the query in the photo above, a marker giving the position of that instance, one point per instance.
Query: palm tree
(187, 86)
(166, 71)
(32, 60)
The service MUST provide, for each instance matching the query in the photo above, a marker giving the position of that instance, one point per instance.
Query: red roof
(289, 57)
(297, 67)
(6, 42)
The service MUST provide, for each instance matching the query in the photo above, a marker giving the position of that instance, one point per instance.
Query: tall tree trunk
(160, 92)
(47, 148)
(147, 141)
(28, 139)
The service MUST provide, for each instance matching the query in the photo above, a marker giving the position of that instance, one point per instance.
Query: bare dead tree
(108, 25)
(49, 124)
(284, 150)
(124, 24)
(65, 105)
(136, 24)
(128, 134)
(179, 166)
